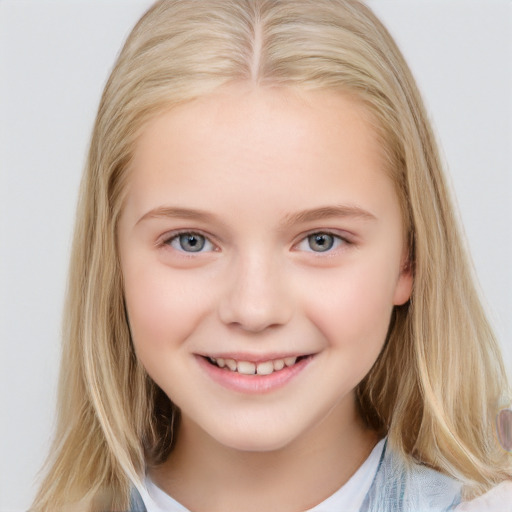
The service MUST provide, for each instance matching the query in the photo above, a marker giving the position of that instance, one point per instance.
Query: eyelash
(168, 241)
(337, 241)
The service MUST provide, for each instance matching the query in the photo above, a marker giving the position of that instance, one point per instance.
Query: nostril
(255, 327)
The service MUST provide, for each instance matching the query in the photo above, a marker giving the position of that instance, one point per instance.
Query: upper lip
(255, 358)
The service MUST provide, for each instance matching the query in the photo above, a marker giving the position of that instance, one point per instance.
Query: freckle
(504, 426)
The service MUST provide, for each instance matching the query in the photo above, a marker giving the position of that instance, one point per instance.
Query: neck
(204, 475)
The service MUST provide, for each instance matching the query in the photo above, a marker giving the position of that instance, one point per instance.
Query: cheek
(162, 309)
(354, 306)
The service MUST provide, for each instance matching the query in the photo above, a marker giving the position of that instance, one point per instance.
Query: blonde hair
(437, 384)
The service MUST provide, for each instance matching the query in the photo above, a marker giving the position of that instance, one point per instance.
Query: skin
(252, 160)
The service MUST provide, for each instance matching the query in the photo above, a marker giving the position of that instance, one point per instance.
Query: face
(262, 250)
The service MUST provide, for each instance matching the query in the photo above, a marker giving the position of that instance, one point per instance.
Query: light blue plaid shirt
(397, 487)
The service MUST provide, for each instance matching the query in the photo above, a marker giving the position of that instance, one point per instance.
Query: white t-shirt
(348, 498)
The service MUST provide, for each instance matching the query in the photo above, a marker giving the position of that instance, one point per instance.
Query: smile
(250, 368)
(256, 376)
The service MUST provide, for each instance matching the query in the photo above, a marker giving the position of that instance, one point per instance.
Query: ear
(404, 283)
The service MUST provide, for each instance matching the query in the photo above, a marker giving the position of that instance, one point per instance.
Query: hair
(437, 385)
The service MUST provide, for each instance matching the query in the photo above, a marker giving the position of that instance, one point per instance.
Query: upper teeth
(248, 368)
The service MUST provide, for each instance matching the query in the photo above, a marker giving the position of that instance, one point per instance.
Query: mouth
(262, 368)
(248, 374)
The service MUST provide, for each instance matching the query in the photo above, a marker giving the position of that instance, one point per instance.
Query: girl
(270, 306)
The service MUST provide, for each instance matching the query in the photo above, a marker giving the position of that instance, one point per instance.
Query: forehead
(257, 108)
(244, 141)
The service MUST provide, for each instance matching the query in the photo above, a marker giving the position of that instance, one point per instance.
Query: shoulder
(136, 502)
(407, 486)
(498, 499)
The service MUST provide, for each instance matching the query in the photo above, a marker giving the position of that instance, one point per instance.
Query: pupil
(192, 243)
(321, 242)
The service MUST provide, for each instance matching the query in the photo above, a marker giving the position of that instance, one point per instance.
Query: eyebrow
(303, 216)
(350, 211)
(176, 212)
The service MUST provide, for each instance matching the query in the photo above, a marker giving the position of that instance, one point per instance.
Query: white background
(54, 60)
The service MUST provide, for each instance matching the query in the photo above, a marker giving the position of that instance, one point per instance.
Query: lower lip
(253, 384)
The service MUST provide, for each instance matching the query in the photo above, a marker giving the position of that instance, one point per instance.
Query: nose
(256, 296)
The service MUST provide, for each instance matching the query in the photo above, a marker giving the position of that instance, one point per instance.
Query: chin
(266, 438)
(262, 444)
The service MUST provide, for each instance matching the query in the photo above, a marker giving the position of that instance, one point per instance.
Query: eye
(320, 242)
(190, 242)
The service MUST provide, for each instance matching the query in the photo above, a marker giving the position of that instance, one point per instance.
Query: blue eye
(190, 242)
(320, 242)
